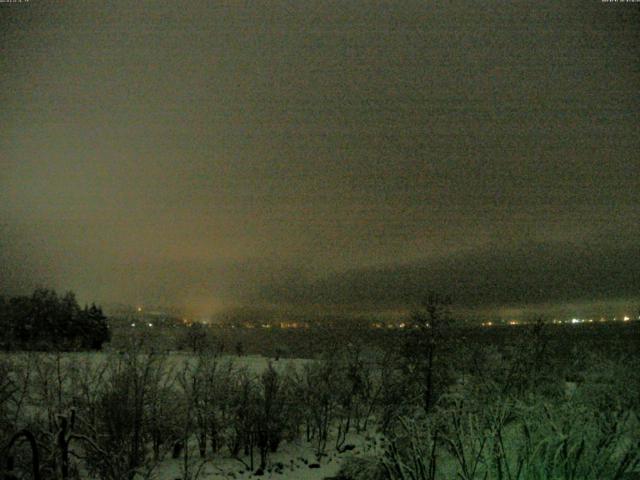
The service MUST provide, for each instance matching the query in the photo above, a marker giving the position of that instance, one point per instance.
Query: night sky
(342, 155)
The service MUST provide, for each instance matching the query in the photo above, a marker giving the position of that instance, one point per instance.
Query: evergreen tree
(44, 321)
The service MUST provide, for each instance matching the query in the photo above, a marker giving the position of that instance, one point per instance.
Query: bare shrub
(411, 452)
(575, 442)
(320, 385)
(116, 444)
(8, 391)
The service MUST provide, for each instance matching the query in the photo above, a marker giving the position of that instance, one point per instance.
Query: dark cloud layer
(212, 154)
(530, 273)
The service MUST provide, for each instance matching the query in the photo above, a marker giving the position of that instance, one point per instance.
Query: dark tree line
(45, 320)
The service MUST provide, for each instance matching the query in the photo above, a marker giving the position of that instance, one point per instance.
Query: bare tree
(426, 345)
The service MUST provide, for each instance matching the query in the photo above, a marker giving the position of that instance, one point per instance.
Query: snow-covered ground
(293, 461)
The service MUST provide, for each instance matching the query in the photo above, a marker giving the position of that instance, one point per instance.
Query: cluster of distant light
(391, 325)
(250, 325)
(625, 318)
(402, 325)
(572, 321)
(144, 322)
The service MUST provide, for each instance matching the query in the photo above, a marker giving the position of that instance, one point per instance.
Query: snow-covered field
(293, 461)
(255, 363)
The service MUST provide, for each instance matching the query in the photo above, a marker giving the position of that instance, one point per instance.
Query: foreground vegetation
(429, 402)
